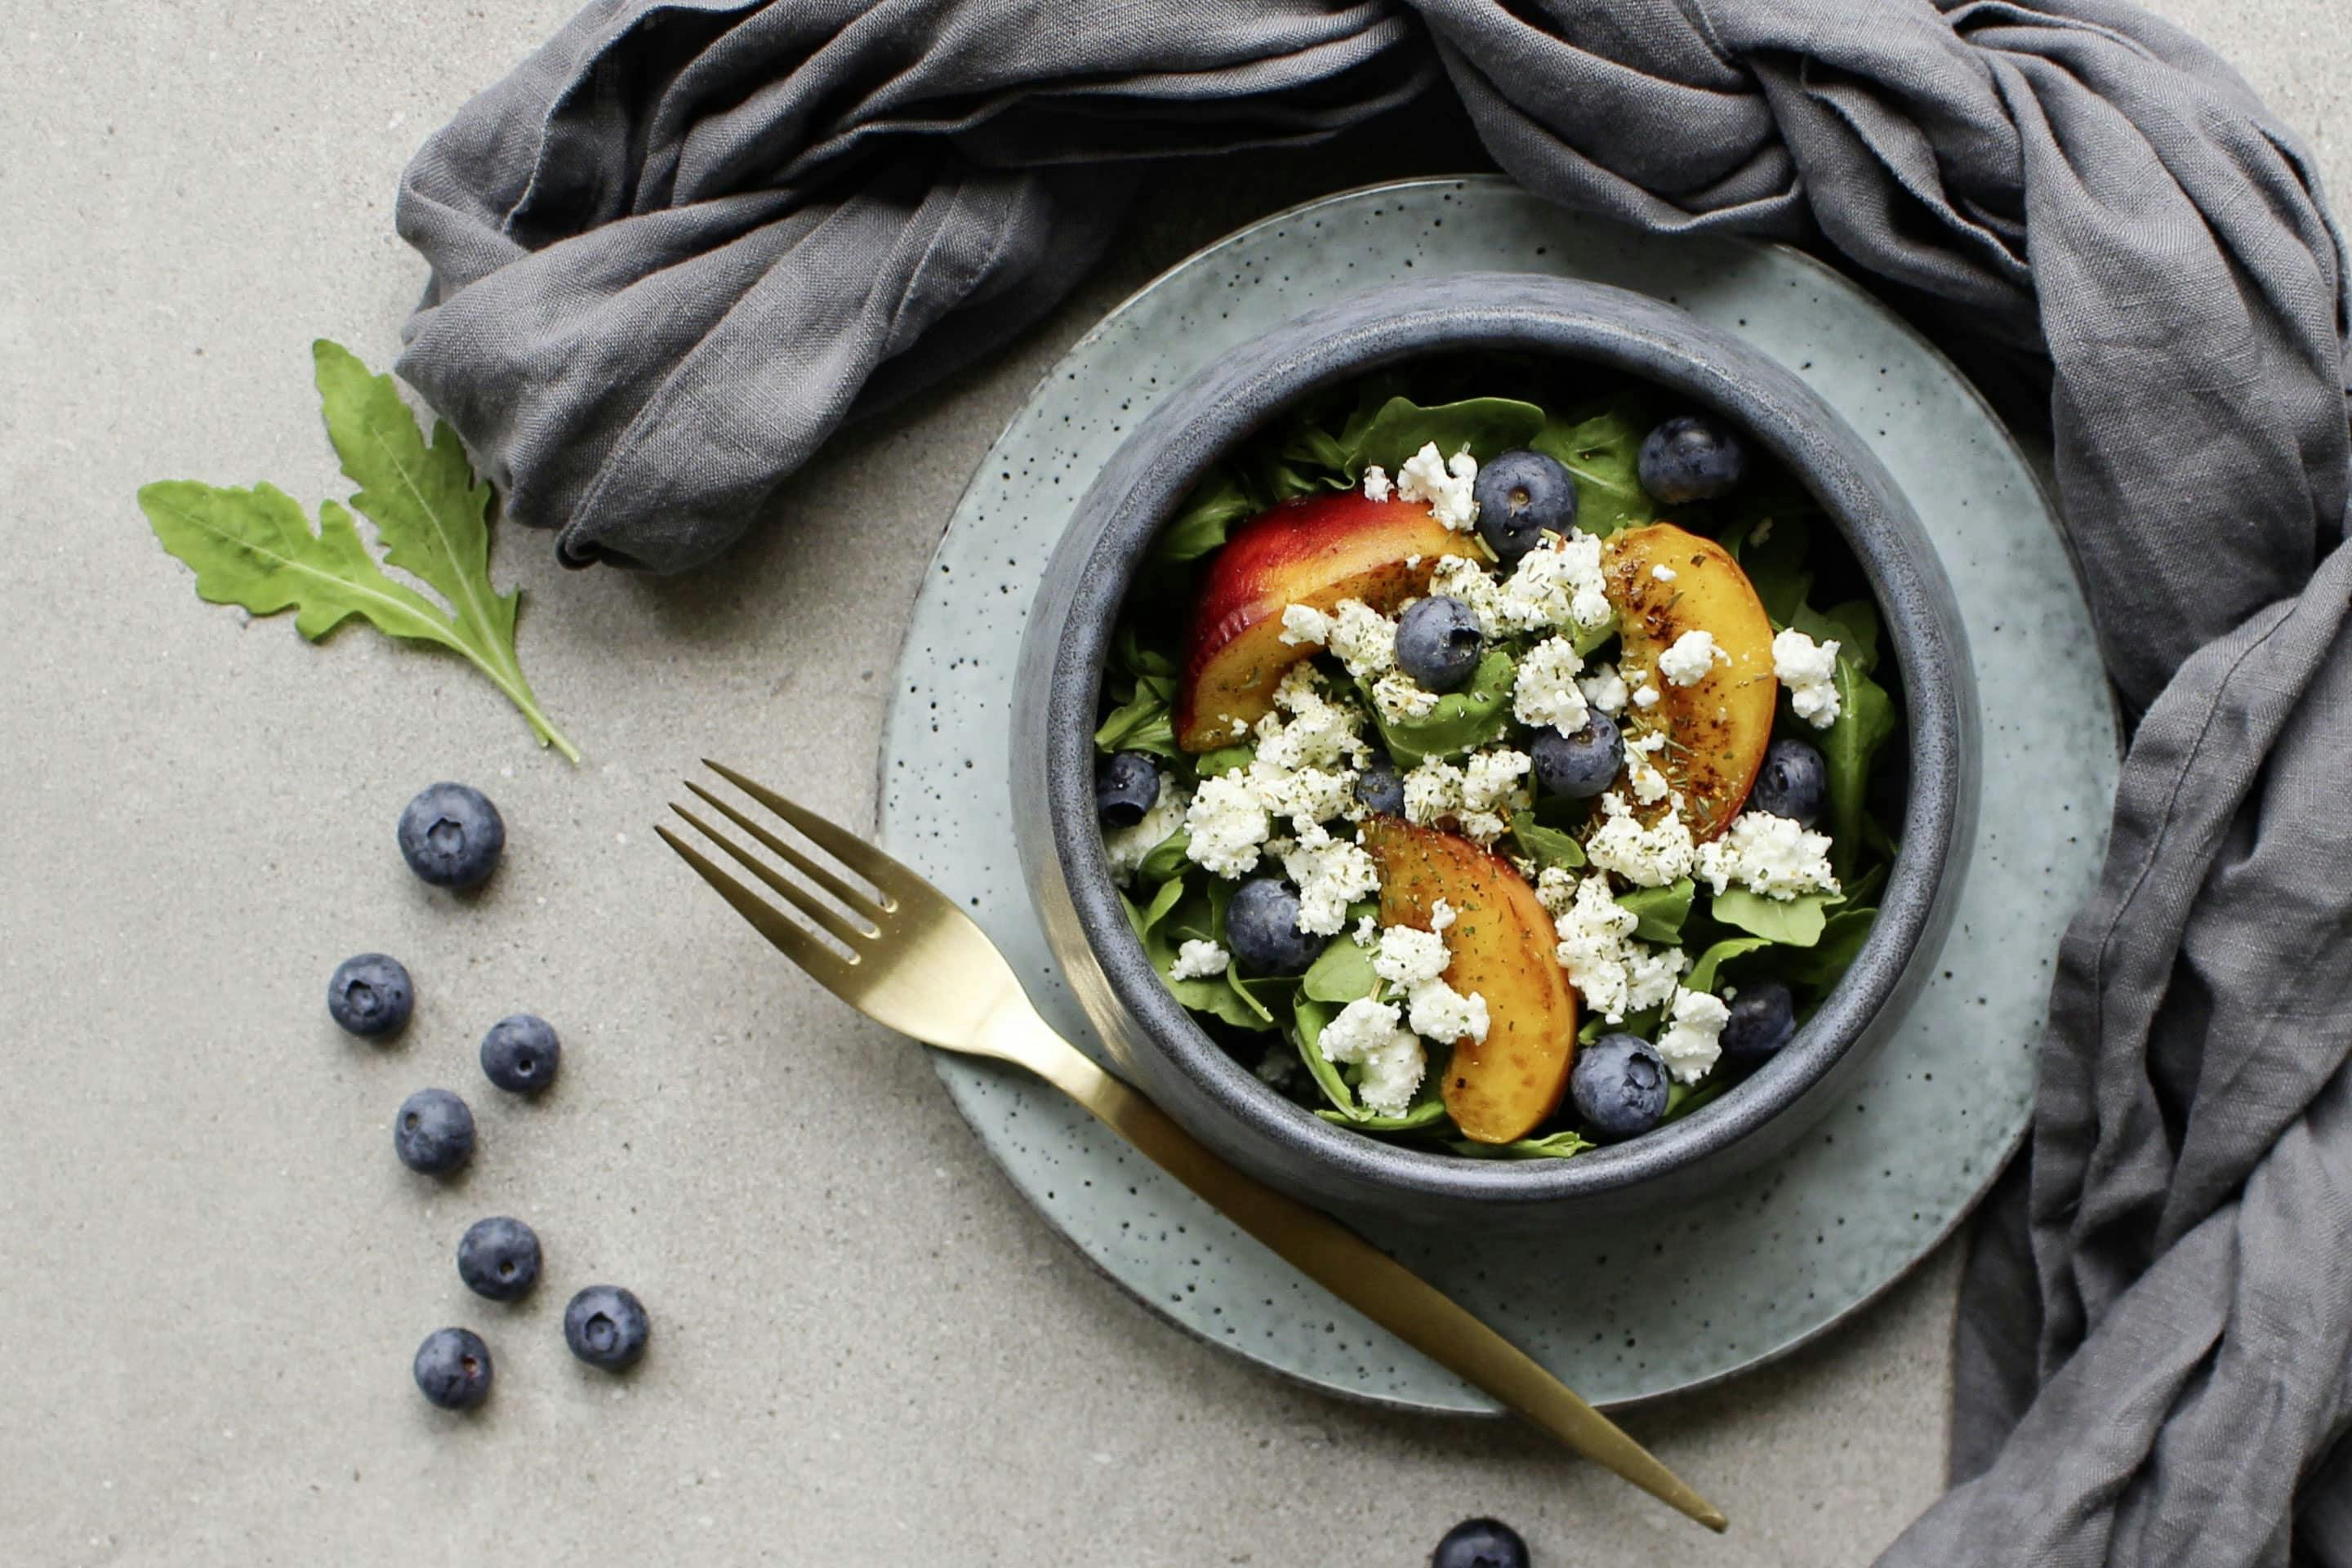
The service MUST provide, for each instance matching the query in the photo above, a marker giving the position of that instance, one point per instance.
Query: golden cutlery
(912, 961)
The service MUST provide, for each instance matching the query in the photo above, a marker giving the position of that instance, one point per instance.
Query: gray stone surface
(212, 1270)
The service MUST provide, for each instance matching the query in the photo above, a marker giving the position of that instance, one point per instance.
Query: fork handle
(1375, 1284)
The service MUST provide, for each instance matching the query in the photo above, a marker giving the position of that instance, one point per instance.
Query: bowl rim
(1198, 421)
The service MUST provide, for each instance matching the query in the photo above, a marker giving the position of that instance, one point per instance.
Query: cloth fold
(677, 247)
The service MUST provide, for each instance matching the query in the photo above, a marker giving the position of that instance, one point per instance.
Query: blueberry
(1520, 495)
(606, 1326)
(499, 1258)
(1619, 1085)
(1480, 1544)
(1790, 784)
(1262, 928)
(1382, 787)
(1127, 783)
(1763, 1019)
(450, 835)
(1692, 457)
(1438, 643)
(520, 1054)
(453, 1368)
(434, 1132)
(370, 994)
(1583, 765)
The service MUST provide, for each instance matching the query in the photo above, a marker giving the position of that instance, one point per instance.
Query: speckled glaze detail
(1626, 1309)
(1084, 589)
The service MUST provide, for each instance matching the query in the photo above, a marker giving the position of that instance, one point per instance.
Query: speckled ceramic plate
(1634, 1308)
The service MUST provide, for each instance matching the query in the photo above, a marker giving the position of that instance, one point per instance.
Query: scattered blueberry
(606, 1326)
(1480, 1544)
(1262, 928)
(499, 1258)
(520, 1054)
(1619, 1085)
(370, 994)
(1790, 784)
(1583, 765)
(1127, 783)
(1382, 787)
(1763, 1019)
(1438, 643)
(1521, 495)
(1692, 457)
(434, 1132)
(450, 835)
(453, 1368)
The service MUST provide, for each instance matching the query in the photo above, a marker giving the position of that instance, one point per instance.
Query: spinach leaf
(1831, 957)
(1602, 449)
(1217, 504)
(1171, 893)
(1551, 1146)
(1547, 846)
(1141, 723)
(1427, 1110)
(1849, 746)
(1485, 426)
(1223, 760)
(1643, 1023)
(1775, 564)
(1682, 1098)
(1702, 975)
(1462, 720)
(1129, 657)
(1662, 910)
(1796, 922)
(1308, 1019)
(1167, 859)
(1342, 972)
(1854, 624)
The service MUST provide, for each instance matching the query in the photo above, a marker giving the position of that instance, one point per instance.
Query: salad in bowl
(1493, 756)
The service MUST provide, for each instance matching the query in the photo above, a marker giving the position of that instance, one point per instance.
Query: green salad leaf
(1682, 1099)
(1551, 1146)
(1223, 760)
(1461, 721)
(1143, 722)
(1166, 862)
(1308, 1019)
(1485, 426)
(1342, 972)
(1601, 447)
(1547, 846)
(256, 549)
(1777, 564)
(1834, 954)
(1217, 505)
(1421, 1113)
(1854, 624)
(1797, 922)
(1702, 976)
(1662, 910)
(1849, 746)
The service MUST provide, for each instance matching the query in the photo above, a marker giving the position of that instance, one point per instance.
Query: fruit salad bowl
(1415, 999)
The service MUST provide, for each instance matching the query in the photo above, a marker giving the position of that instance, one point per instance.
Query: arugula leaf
(1307, 1020)
(1602, 449)
(1662, 910)
(1854, 624)
(1223, 760)
(1217, 504)
(1170, 894)
(1776, 564)
(1486, 427)
(1342, 972)
(1831, 957)
(1421, 1113)
(1166, 862)
(1220, 997)
(1643, 1023)
(1551, 1146)
(1461, 721)
(1143, 722)
(255, 548)
(1547, 846)
(1682, 1099)
(1849, 746)
(1797, 922)
(1129, 655)
(1702, 975)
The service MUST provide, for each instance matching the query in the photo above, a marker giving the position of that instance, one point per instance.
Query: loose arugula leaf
(1547, 846)
(1797, 922)
(1167, 859)
(1171, 893)
(1682, 1099)
(1643, 1023)
(1421, 1113)
(1702, 974)
(1217, 504)
(1129, 655)
(1219, 996)
(1141, 723)
(1223, 760)
(1775, 564)
(1849, 746)
(1601, 449)
(256, 549)
(1485, 426)
(1853, 624)
(1461, 721)
(1551, 1146)
(1307, 1020)
(1662, 910)
(1342, 972)
(1863, 890)
(1835, 953)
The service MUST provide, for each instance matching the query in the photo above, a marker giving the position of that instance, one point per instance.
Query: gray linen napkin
(679, 245)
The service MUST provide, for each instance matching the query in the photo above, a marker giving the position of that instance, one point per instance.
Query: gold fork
(916, 964)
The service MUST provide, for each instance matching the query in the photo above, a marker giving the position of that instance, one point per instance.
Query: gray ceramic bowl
(1155, 1040)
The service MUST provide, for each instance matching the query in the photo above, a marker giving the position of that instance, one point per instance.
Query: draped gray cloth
(676, 248)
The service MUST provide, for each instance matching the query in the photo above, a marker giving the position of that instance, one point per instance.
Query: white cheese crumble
(1809, 669)
(1768, 855)
(1612, 973)
(1559, 585)
(1198, 961)
(1414, 962)
(1367, 931)
(1690, 1041)
(1761, 532)
(1490, 780)
(1547, 692)
(1363, 638)
(1304, 624)
(1399, 696)
(1691, 656)
(1376, 483)
(1125, 847)
(1604, 688)
(1372, 1035)
(1440, 916)
(1647, 855)
(1642, 773)
(1647, 697)
(1432, 791)
(1663, 573)
(1227, 821)
(1444, 485)
(1408, 957)
(1331, 874)
(1438, 1012)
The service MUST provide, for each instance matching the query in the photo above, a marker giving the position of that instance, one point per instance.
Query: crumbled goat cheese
(1462, 578)
(1414, 962)
(1648, 785)
(1198, 961)
(1308, 753)
(1648, 857)
(1399, 696)
(1556, 889)
(1438, 1012)
(1647, 697)
(1558, 586)
(1227, 821)
(1809, 669)
(1376, 483)
(1692, 655)
(1444, 485)
(1768, 855)
(1481, 827)
(1547, 690)
(1304, 624)
(1279, 1063)
(1490, 780)
(1663, 573)
(1689, 1042)
(1440, 916)
(1363, 638)
(1332, 873)
(1431, 792)
(1604, 688)
(1125, 847)
(1614, 973)
(1408, 957)
(1761, 532)
(1370, 1034)
(1367, 931)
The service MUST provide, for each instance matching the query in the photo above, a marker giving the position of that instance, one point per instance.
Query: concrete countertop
(867, 1348)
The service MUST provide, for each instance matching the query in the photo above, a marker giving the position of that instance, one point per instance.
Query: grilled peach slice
(1501, 940)
(1719, 728)
(1315, 552)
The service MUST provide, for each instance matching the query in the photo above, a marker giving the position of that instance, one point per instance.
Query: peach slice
(1315, 552)
(1501, 940)
(1717, 729)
